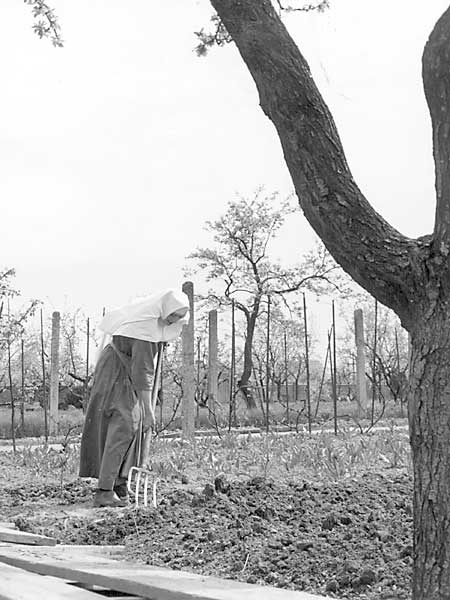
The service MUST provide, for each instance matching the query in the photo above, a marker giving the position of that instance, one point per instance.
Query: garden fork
(140, 478)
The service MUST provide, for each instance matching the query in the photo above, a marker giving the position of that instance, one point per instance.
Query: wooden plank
(102, 591)
(80, 565)
(106, 592)
(18, 584)
(22, 537)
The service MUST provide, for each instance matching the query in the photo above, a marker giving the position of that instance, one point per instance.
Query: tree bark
(435, 69)
(429, 422)
(409, 276)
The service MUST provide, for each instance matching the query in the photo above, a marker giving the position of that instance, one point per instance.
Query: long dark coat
(114, 414)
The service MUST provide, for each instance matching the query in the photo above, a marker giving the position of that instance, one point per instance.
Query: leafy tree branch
(46, 23)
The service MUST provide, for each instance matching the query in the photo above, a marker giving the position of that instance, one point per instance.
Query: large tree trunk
(410, 276)
(429, 418)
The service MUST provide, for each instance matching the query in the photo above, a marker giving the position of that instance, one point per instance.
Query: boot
(121, 490)
(107, 498)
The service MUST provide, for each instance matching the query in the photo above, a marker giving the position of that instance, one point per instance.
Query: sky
(116, 149)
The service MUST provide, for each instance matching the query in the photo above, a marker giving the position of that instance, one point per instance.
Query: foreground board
(86, 564)
(7, 534)
(17, 584)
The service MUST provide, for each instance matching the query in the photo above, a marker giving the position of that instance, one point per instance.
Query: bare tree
(240, 263)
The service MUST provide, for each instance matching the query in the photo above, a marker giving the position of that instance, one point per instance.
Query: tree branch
(46, 25)
(77, 377)
(435, 72)
(320, 7)
(295, 287)
(218, 37)
(376, 255)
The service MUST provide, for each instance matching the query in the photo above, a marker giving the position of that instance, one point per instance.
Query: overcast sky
(116, 149)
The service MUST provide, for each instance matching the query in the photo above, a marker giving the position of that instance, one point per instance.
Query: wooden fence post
(54, 373)
(286, 376)
(361, 386)
(212, 358)
(334, 382)
(44, 380)
(232, 402)
(86, 376)
(268, 365)
(11, 391)
(308, 376)
(22, 388)
(188, 369)
(374, 365)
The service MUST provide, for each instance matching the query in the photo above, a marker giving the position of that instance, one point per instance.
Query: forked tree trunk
(410, 276)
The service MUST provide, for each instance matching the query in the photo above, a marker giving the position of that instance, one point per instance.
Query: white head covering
(142, 320)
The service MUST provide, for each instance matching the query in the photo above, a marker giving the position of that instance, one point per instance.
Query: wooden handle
(157, 377)
(145, 448)
(147, 438)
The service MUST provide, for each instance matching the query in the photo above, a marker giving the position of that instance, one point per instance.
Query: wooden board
(13, 536)
(18, 584)
(99, 590)
(78, 563)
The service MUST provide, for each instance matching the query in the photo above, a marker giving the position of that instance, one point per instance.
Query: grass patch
(34, 423)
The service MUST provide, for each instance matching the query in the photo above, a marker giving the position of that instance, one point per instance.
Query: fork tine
(146, 490)
(138, 483)
(155, 481)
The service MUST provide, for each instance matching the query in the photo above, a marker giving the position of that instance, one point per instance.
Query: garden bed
(318, 515)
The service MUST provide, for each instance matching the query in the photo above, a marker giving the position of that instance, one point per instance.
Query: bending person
(119, 410)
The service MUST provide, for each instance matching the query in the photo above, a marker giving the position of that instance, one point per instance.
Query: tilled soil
(350, 539)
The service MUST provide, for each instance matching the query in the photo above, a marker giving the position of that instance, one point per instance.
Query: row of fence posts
(189, 383)
(50, 404)
(330, 359)
(50, 401)
(212, 366)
